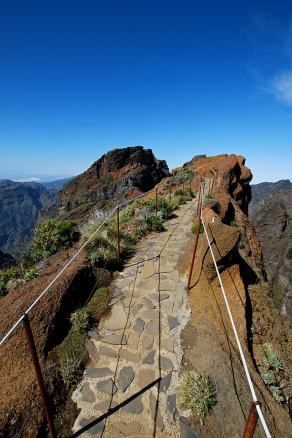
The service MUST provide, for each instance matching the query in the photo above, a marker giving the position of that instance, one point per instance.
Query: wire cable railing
(242, 356)
(24, 320)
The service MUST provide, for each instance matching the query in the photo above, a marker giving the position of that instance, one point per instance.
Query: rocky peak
(118, 174)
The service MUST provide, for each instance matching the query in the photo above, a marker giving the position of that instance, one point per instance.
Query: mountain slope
(271, 211)
(20, 204)
(56, 185)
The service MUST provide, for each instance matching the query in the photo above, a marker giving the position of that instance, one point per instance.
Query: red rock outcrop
(119, 174)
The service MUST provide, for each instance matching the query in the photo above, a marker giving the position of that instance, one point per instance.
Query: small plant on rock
(271, 359)
(196, 393)
(31, 274)
(273, 369)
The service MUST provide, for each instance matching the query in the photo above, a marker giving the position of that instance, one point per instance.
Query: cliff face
(208, 341)
(119, 174)
(271, 211)
(20, 204)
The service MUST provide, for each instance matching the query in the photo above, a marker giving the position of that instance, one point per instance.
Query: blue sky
(181, 77)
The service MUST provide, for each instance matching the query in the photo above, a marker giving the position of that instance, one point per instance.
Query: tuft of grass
(99, 303)
(71, 352)
(102, 250)
(196, 393)
(80, 320)
(72, 368)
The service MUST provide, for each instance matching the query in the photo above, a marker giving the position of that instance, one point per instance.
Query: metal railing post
(118, 235)
(39, 376)
(199, 202)
(251, 421)
(194, 252)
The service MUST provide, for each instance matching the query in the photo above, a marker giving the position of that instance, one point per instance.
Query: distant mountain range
(271, 211)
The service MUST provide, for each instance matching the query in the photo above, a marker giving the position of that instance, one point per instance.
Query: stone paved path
(139, 342)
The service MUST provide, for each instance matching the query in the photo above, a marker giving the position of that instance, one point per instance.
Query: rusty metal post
(251, 421)
(39, 376)
(118, 235)
(199, 202)
(156, 200)
(194, 252)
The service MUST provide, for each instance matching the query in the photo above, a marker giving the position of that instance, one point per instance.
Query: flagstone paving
(139, 342)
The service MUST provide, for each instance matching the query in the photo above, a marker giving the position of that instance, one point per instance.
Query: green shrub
(50, 236)
(195, 228)
(151, 204)
(182, 199)
(196, 393)
(154, 223)
(165, 207)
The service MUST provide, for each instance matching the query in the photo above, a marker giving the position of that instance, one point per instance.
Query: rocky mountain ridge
(116, 176)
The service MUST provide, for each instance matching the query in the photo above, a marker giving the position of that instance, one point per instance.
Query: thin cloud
(281, 87)
(32, 179)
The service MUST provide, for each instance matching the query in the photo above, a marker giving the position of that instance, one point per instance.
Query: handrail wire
(250, 383)
(7, 335)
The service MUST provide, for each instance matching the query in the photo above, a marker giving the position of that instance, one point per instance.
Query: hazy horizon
(42, 177)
